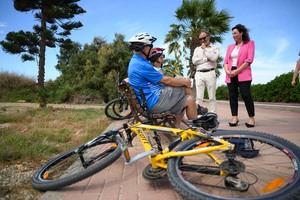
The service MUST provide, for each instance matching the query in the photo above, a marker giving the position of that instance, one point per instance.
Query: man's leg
(191, 111)
(200, 86)
(187, 91)
(211, 89)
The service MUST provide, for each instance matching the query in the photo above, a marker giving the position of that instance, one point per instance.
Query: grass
(30, 137)
(47, 132)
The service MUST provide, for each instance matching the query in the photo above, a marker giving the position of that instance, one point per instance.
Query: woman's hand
(234, 73)
(226, 70)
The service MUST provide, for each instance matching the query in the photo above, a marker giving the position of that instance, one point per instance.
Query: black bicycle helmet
(207, 121)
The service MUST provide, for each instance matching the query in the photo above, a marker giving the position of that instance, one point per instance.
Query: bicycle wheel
(121, 108)
(272, 174)
(118, 109)
(77, 164)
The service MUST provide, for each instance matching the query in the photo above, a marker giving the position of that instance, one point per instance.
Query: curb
(272, 106)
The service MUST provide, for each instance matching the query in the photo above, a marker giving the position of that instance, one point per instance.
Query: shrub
(277, 90)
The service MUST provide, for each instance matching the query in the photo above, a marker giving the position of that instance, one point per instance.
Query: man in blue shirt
(162, 93)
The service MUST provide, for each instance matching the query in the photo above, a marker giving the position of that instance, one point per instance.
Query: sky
(274, 26)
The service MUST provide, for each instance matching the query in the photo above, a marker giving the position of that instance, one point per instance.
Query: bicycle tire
(188, 185)
(120, 108)
(111, 110)
(72, 171)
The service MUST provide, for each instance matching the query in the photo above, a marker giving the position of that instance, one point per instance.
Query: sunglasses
(150, 45)
(203, 38)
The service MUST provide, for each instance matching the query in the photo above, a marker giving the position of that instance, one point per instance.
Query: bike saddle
(207, 121)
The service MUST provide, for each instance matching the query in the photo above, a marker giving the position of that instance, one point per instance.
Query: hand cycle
(199, 164)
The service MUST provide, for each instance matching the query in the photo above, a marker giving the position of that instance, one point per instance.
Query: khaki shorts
(171, 99)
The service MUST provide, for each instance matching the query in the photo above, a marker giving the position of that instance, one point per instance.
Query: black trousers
(245, 89)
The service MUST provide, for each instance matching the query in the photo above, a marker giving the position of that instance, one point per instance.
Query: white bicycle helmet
(144, 38)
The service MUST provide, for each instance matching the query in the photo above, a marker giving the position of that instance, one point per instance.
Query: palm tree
(194, 16)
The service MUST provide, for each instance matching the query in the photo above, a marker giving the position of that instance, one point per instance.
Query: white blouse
(234, 55)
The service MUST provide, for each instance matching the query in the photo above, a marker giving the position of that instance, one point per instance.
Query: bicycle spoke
(273, 169)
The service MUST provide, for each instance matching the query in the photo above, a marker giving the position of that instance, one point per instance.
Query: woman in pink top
(237, 65)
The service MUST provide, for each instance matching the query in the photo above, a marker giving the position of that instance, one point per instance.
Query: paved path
(125, 182)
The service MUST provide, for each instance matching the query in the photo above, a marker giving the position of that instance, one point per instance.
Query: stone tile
(125, 182)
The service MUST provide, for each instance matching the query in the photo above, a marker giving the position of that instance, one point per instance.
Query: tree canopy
(94, 68)
(194, 16)
(54, 27)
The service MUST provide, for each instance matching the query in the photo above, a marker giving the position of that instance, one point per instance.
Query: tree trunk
(194, 43)
(41, 73)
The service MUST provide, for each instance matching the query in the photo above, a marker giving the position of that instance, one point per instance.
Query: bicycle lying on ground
(223, 164)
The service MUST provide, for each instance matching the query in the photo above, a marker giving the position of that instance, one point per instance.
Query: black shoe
(233, 124)
(249, 125)
(201, 110)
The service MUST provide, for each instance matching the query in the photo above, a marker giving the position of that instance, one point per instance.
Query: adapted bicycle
(199, 164)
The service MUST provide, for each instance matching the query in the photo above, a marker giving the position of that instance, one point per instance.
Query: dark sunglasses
(150, 45)
(203, 38)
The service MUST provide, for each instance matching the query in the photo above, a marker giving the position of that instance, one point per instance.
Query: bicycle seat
(207, 121)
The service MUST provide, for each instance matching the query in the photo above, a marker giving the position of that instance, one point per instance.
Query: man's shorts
(171, 99)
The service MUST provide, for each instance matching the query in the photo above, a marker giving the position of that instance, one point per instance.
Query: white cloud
(129, 28)
(280, 47)
(3, 24)
(267, 66)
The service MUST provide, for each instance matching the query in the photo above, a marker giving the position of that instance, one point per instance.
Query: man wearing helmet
(162, 93)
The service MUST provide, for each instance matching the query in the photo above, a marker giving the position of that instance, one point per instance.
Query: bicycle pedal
(236, 184)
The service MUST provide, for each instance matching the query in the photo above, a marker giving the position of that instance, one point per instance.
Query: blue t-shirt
(141, 74)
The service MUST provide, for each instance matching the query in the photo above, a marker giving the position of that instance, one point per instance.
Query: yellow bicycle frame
(160, 161)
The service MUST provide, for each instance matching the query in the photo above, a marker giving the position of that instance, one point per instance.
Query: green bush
(222, 93)
(15, 87)
(277, 90)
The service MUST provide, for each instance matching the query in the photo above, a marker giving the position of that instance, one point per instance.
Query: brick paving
(125, 182)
